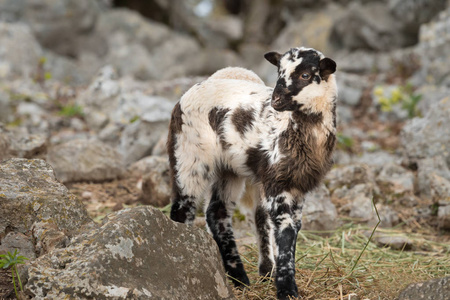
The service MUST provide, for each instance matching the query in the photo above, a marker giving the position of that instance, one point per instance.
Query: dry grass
(328, 267)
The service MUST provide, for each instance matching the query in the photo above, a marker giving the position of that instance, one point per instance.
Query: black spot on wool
(242, 119)
(216, 118)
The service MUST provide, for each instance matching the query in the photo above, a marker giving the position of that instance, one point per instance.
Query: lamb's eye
(305, 76)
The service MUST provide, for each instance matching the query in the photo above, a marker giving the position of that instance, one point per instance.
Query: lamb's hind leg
(225, 192)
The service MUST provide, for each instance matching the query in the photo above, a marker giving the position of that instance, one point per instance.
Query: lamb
(231, 128)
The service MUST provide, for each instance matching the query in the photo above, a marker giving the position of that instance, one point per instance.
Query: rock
(360, 198)
(359, 205)
(395, 180)
(19, 51)
(154, 173)
(47, 237)
(5, 142)
(349, 175)
(137, 253)
(139, 138)
(30, 193)
(319, 213)
(428, 136)
(29, 146)
(388, 216)
(344, 115)
(156, 190)
(368, 26)
(58, 25)
(252, 55)
(431, 94)
(146, 165)
(436, 289)
(412, 14)
(394, 242)
(146, 49)
(6, 115)
(376, 159)
(444, 214)
(19, 241)
(160, 148)
(85, 160)
(100, 98)
(440, 187)
(368, 61)
(224, 30)
(110, 101)
(432, 174)
(77, 72)
(351, 88)
(434, 43)
(313, 30)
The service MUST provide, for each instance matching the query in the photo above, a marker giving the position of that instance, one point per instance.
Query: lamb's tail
(237, 73)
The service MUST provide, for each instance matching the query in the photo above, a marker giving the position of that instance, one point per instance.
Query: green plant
(10, 261)
(71, 110)
(344, 142)
(401, 95)
(134, 119)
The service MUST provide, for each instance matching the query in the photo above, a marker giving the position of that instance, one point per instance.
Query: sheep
(231, 128)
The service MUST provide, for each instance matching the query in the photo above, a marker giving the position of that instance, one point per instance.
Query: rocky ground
(86, 92)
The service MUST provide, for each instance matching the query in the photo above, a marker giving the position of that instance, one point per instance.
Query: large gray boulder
(32, 200)
(85, 160)
(137, 253)
(428, 136)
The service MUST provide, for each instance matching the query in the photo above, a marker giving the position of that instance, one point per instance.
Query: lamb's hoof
(285, 295)
(287, 292)
(240, 281)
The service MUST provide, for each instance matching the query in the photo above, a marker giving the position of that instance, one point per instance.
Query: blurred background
(89, 85)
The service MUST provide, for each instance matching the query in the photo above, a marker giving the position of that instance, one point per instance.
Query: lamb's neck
(321, 111)
(324, 121)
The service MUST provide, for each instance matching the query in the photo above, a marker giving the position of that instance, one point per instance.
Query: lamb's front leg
(284, 214)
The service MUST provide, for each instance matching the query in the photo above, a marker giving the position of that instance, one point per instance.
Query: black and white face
(302, 78)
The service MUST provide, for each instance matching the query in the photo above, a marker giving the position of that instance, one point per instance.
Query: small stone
(353, 296)
(395, 242)
(86, 195)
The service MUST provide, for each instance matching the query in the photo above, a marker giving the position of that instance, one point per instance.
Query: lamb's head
(304, 80)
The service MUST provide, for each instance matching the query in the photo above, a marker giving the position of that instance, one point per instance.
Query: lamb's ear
(327, 67)
(273, 57)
